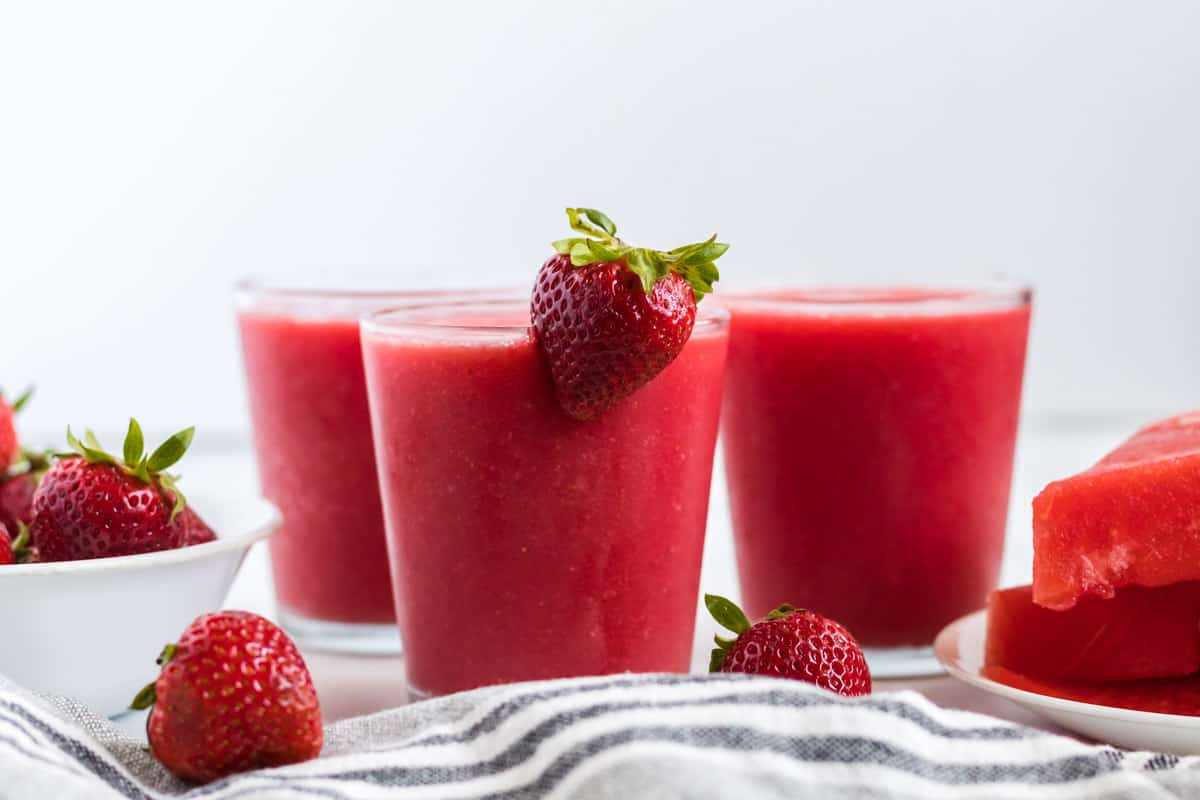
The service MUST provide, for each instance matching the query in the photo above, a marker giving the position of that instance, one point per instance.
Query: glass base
(416, 695)
(902, 662)
(360, 638)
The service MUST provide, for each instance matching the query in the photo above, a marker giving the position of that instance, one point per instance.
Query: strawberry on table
(609, 316)
(91, 504)
(789, 643)
(234, 695)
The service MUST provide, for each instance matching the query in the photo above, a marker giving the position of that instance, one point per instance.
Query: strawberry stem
(599, 244)
(20, 546)
(148, 469)
(782, 611)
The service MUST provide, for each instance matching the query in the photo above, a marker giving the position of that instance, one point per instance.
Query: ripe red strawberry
(233, 695)
(609, 317)
(195, 530)
(16, 499)
(14, 551)
(789, 643)
(6, 549)
(93, 505)
(10, 445)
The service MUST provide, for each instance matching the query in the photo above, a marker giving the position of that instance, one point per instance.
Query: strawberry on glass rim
(609, 316)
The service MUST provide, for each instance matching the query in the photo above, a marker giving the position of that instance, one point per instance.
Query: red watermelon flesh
(1131, 520)
(1139, 633)
(1162, 695)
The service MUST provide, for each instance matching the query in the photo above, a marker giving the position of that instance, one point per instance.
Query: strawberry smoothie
(526, 544)
(312, 434)
(868, 440)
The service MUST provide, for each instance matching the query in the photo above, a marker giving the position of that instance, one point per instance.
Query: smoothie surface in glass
(868, 441)
(525, 544)
(312, 434)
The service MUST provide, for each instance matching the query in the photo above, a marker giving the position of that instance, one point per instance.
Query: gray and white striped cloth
(629, 736)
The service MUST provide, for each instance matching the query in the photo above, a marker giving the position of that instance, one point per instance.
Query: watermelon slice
(1131, 520)
(1139, 633)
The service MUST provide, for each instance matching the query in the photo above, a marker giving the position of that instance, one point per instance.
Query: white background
(152, 153)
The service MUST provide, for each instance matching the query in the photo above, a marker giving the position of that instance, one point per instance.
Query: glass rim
(423, 319)
(932, 296)
(266, 288)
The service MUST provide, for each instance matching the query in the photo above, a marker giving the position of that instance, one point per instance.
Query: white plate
(959, 648)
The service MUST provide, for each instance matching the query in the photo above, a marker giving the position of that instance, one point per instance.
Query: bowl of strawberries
(103, 559)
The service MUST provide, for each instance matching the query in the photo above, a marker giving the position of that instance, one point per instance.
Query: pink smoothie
(312, 435)
(869, 453)
(527, 545)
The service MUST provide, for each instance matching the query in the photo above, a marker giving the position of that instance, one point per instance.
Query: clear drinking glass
(868, 436)
(525, 544)
(316, 462)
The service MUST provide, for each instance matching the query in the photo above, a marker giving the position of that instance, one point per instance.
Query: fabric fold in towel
(655, 736)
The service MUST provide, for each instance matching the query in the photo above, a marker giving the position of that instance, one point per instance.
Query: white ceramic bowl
(92, 629)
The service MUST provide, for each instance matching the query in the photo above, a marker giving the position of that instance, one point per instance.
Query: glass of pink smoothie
(316, 462)
(524, 544)
(868, 437)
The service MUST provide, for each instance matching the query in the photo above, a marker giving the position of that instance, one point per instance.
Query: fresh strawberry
(10, 446)
(17, 486)
(16, 499)
(94, 505)
(233, 695)
(14, 551)
(789, 643)
(195, 530)
(609, 317)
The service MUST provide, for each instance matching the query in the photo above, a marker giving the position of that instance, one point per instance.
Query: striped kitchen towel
(629, 736)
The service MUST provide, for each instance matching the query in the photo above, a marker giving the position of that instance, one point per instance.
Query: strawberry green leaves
(727, 613)
(148, 469)
(696, 263)
(599, 244)
(92, 450)
(148, 696)
(597, 218)
(22, 550)
(170, 451)
(731, 617)
(135, 443)
(22, 400)
(145, 698)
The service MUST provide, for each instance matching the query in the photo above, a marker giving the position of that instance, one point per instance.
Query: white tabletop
(353, 685)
